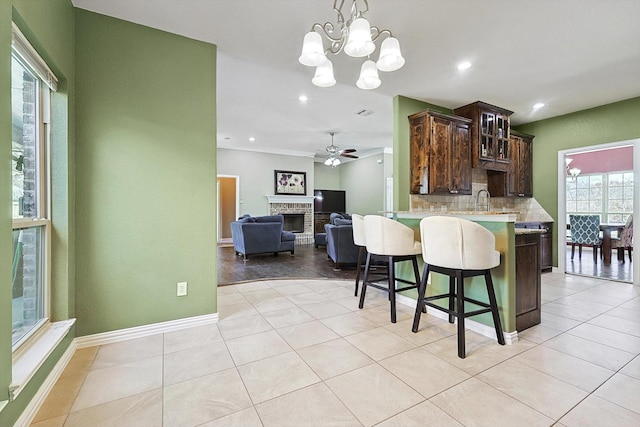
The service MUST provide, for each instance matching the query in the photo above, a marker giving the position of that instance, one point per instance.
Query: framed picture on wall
(290, 183)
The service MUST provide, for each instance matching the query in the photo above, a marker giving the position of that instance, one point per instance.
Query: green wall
(608, 123)
(402, 108)
(363, 181)
(145, 175)
(49, 27)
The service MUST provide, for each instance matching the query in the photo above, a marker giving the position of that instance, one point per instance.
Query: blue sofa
(261, 235)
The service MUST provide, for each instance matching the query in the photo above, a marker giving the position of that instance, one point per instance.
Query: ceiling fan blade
(351, 156)
(348, 150)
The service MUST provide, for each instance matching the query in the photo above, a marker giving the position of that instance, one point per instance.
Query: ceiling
(569, 54)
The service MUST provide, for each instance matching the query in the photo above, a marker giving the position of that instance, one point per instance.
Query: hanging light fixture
(573, 172)
(357, 38)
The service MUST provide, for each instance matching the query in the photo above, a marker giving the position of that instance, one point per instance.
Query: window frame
(604, 212)
(26, 55)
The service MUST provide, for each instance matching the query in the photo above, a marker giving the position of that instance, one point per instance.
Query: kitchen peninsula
(517, 294)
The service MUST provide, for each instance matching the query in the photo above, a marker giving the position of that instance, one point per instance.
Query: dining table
(606, 229)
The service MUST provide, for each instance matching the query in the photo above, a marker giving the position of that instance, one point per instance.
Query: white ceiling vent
(364, 113)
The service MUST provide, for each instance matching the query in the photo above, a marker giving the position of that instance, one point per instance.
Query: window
(31, 84)
(609, 195)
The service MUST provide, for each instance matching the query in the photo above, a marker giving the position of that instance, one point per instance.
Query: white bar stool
(358, 239)
(459, 249)
(390, 241)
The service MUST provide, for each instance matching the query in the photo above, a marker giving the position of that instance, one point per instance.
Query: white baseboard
(481, 328)
(144, 330)
(104, 338)
(34, 405)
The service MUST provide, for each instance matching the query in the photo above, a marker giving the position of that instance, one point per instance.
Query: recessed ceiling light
(464, 65)
(303, 98)
(538, 105)
(252, 139)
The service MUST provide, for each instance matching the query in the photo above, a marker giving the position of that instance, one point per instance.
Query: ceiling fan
(334, 153)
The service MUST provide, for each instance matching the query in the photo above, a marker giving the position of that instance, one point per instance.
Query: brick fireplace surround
(295, 204)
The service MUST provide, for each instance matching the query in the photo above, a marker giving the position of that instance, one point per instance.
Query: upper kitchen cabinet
(440, 154)
(489, 135)
(518, 181)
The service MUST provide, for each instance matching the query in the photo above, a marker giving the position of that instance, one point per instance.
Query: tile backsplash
(529, 210)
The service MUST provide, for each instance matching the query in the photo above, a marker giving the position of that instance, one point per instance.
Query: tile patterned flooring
(300, 353)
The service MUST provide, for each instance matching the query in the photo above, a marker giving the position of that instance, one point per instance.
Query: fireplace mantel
(290, 199)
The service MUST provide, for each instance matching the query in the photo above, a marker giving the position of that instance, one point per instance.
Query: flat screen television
(329, 201)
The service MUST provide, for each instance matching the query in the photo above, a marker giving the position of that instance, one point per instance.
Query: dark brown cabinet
(546, 242)
(440, 154)
(528, 280)
(489, 135)
(518, 180)
(319, 220)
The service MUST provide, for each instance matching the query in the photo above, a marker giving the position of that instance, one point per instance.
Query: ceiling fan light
(324, 75)
(312, 50)
(390, 56)
(329, 161)
(368, 76)
(336, 161)
(359, 43)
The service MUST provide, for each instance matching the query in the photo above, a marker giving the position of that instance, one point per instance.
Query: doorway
(228, 206)
(603, 181)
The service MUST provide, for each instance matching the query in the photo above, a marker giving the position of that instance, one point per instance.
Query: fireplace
(293, 222)
(296, 206)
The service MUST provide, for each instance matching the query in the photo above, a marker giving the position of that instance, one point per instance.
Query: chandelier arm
(376, 33)
(338, 10)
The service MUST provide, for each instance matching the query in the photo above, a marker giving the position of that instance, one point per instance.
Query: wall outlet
(182, 289)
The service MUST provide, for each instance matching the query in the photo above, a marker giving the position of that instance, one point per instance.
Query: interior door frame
(562, 197)
(219, 205)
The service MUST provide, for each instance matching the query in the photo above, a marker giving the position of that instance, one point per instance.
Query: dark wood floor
(307, 263)
(311, 263)
(586, 267)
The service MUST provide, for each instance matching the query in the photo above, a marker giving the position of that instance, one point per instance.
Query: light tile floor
(300, 353)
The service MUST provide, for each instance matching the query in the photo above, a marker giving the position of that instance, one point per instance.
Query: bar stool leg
(392, 288)
(416, 273)
(460, 314)
(358, 268)
(364, 281)
(494, 307)
(452, 292)
(420, 306)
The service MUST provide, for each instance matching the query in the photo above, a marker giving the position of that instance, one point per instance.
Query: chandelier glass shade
(572, 172)
(357, 38)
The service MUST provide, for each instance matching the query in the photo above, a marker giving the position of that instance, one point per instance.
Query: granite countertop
(530, 231)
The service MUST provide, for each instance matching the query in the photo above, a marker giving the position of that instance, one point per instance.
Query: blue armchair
(260, 235)
(585, 230)
(340, 246)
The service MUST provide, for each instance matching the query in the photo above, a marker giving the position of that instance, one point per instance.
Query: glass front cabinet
(489, 135)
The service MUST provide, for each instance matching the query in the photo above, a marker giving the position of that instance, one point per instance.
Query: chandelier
(357, 38)
(573, 172)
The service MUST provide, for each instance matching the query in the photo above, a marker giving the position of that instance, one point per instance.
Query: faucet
(488, 199)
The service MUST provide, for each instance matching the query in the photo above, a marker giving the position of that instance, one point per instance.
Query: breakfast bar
(502, 225)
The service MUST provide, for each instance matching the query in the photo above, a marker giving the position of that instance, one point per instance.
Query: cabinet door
(528, 281)
(513, 173)
(440, 155)
(525, 167)
(461, 159)
(487, 132)
(419, 156)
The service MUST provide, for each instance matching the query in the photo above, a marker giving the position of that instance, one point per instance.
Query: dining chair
(585, 230)
(625, 240)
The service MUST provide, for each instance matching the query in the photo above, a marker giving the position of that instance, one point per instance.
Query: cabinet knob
(453, 191)
(521, 195)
